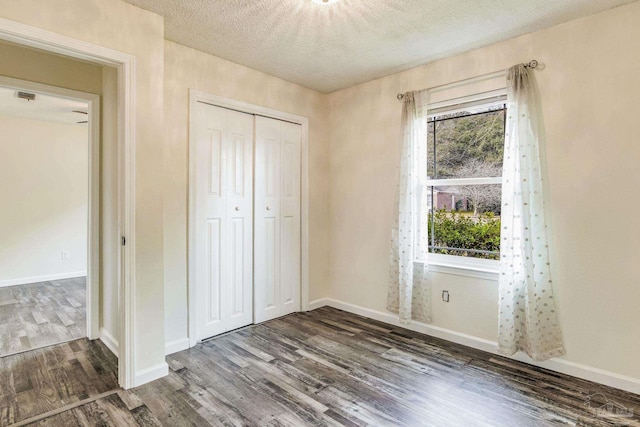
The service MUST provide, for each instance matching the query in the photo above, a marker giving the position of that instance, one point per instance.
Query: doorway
(48, 254)
(122, 82)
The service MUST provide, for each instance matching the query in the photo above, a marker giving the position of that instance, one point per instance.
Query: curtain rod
(533, 64)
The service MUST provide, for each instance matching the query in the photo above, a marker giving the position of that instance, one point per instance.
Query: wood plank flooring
(331, 368)
(41, 314)
(38, 381)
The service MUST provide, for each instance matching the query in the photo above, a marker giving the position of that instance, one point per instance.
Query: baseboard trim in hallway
(39, 279)
(562, 366)
(109, 340)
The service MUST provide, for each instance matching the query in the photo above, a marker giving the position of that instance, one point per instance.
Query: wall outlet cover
(445, 296)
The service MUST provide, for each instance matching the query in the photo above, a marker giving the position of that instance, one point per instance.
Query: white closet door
(277, 219)
(223, 220)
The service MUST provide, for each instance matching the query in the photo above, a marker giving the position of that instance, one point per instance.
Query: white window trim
(493, 98)
(487, 269)
(479, 268)
(450, 182)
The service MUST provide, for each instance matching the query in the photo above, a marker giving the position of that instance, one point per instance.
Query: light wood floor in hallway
(41, 314)
(328, 367)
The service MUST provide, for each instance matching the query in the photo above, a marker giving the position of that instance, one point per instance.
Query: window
(465, 145)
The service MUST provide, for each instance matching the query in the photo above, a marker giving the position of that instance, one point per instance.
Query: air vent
(26, 95)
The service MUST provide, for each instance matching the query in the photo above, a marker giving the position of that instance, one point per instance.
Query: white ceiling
(44, 107)
(330, 47)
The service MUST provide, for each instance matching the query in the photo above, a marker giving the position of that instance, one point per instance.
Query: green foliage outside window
(462, 231)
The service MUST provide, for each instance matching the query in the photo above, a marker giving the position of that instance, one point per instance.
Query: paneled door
(277, 219)
(223, 219)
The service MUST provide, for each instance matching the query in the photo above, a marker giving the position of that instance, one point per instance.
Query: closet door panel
(214, 273)
(277, 216)
(210, 220)
(237, 308)
(224, 210)
(290, 219)
(239, 300)
(267, 221)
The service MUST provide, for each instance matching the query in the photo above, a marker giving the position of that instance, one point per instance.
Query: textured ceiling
(330, 47)
(44, 107)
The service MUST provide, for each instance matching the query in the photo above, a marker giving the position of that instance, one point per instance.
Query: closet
(246, 219)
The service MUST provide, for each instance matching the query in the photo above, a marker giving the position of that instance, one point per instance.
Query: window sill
(463, 266)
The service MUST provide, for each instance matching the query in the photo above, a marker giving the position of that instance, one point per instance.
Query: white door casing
(223, 220)
(125, 64)
(277, 219)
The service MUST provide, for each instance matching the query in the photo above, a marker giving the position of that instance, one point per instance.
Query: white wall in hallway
(43, 199)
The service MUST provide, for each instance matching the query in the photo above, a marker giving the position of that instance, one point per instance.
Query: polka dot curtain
(528, 319)
(409, 293)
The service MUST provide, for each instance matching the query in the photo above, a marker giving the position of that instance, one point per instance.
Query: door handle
(268, 208)
(237, 208)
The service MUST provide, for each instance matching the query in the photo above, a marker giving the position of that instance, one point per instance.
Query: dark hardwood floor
(47, 379)
(328, 367)
(41, 314)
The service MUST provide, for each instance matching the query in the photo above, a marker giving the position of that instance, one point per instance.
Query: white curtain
(528, 320)
(409, 294)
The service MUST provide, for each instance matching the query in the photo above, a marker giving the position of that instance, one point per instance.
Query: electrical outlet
(64, 254)
(445, 296)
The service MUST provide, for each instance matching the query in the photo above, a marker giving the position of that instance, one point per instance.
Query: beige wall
(24, 63)
(120, 26)
(187, 68)
(589, 90)
(44, 171)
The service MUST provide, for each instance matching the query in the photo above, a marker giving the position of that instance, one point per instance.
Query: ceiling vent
(26, 95)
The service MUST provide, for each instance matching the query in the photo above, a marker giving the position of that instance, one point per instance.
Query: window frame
(455, 264)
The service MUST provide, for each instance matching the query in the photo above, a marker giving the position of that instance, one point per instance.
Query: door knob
(268, 208)
(237, 208)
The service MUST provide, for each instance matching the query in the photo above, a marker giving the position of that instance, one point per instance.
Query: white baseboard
(562, 366)
(176, 346)
(108, 340)
(38, 279)
(150, 374)
(318, 303)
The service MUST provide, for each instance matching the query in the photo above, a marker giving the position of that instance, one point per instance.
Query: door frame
(93, 205)
(125, 65)
(196, 96)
